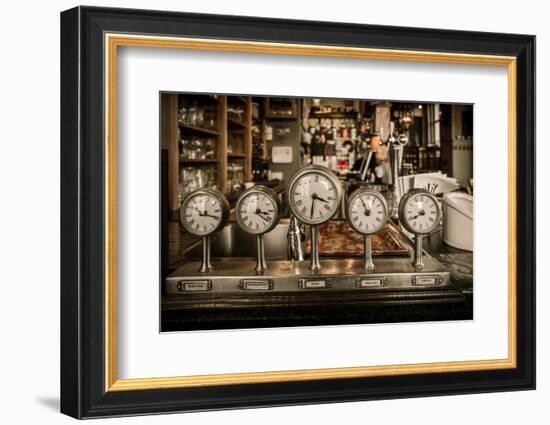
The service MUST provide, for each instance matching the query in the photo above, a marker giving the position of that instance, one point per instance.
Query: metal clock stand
(368, 263)
(418, 262)
(315, 263)
(261, 264)
(206, 265)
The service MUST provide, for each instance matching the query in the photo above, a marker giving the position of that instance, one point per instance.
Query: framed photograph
(261, 212)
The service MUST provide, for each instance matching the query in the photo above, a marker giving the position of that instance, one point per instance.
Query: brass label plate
(256, 284)
(194, 285)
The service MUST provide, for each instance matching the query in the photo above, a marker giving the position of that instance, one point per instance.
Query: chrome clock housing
(419, 212)
(204, 212)
(314, 194)
(367, 211)
(258, 210)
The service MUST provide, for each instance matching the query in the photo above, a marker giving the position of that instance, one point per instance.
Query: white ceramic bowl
(458, 220)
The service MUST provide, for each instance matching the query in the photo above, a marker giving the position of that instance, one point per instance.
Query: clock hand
(321, 199)
(312, 204)
(259, 214)
(421, 212)
(367, 210)
(205, 214)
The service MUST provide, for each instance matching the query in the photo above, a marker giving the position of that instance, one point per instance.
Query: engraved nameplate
(314, 283)
(371, 282)
(194, 285)
(426, 280)
(256, 285)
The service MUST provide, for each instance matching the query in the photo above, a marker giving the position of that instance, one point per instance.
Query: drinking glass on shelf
(200, 117)
(192, 149)
(192, 178)
(183, 114)
(202, 178)
(192, 115)
(198, 147)
(210, 148)
(212, 177)
(185, 148)
(187, 181)
(210, 117)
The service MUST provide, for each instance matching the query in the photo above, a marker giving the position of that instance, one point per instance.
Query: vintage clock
(203, 213)
(314, 196)
(258, 211)
(367, 213)
(419, 213)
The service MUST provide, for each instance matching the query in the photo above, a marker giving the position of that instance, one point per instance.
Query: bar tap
(396, 146)
(295, 236)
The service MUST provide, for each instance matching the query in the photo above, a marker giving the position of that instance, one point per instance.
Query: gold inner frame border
(112, 41)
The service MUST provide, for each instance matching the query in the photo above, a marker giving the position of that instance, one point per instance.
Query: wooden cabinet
(208, 140)
(281, 107)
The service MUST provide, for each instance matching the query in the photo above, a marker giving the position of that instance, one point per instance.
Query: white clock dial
(203, 212)
(367, 211)
(258, 210)
(315, 195)
(419, 212)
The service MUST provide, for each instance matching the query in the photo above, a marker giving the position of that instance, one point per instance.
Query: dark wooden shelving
(234, 122)
(199, 161)
(280, 117)
(223, 134)
(198, 130)
(335, 115)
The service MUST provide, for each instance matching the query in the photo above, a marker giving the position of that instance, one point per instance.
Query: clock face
(367, 211)
(202, 213)
(420, 212)
(314, 195)
(257, 211)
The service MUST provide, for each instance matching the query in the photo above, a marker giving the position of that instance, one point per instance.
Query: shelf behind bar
(334, 115)
(198, 130)
(199, 161)
(236, 123)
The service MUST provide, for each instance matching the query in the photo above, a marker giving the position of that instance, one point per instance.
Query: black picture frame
(83, 393)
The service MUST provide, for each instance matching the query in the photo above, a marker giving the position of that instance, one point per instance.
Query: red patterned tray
(337, 239)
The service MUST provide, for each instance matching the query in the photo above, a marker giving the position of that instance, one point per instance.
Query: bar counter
(251, 310)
